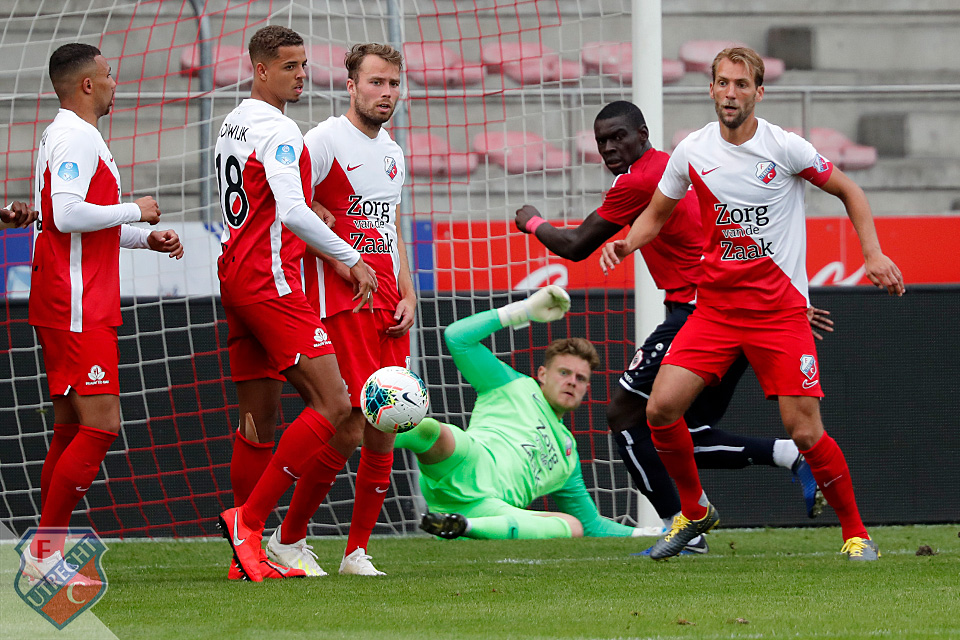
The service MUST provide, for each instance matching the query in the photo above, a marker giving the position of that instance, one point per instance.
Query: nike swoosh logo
(827, 484)
(81, 489)
(237, 541)
(406, 396)
(810, 384)
(379, 490)
(349, 168)
(704, 172)
(283, 570)
(290, 473)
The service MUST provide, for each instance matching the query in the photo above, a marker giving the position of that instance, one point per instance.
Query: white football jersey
(359, 180)
(260, 256)
(752, 206)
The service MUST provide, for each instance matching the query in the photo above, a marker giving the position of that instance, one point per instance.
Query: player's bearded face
(565, 381)
(734, 93)
(104, 86)
(374, 94)
(287, 72)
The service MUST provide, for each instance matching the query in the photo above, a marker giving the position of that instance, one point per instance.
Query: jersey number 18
(233, 200)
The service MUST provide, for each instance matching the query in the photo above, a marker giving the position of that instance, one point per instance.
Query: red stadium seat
(529, 63)
(433, 64)
(518, 152)
(615, 59)
(430, 155)
(231, 64)
(325, 64)
(698, 55)
(587, 147)
(838, 149)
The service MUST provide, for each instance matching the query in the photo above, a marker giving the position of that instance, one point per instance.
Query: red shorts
(778, 344)
(266, 338)
(86, 362)
(363, 346)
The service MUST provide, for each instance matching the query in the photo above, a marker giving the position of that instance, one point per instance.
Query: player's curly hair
(358, 52)
(266, 42)
(744, 55)
(579, 347)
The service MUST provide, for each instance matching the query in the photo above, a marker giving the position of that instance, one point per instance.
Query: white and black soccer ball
(394, 399)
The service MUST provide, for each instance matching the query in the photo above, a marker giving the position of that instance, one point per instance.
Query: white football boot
(36, 570)
(358, 564)
(299, 555)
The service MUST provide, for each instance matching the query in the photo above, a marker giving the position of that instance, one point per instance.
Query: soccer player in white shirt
(748, 175)
(75, 286)
(358, 173)
(263, 172)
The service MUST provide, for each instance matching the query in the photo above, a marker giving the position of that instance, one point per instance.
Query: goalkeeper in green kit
(516, 448)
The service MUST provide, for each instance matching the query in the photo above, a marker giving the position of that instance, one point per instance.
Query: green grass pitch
(773, 583)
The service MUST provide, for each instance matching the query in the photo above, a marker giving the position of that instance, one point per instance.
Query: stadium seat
(433, 64)
(529, 63)
(839, 149)
(615, 59)
(231, 64)
(698, 55)
(430, 155)
(518, 152)
(587, 147)
(325, 65)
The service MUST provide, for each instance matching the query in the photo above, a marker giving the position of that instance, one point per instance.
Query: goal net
(498, 112)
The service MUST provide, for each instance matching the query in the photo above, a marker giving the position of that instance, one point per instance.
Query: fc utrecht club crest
(71, 587)
(766, 171)
(808, 366)
(390, 166)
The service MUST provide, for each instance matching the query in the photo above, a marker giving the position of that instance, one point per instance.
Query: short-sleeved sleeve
(676, 180)
(281, 149)
(805, 161)
(626, 199)
(318, 144)
(73, 160)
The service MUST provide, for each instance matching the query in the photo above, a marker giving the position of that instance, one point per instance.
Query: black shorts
(712, 402)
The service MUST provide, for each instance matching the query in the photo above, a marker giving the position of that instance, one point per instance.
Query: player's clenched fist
(166, 242)
(149, 209)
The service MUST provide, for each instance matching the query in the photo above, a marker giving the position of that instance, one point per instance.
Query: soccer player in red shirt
(674, 262)
(263, 171)
(749, 177)
(358, 173)
(75, 286)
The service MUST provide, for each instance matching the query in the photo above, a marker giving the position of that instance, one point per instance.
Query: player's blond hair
(266, 42)
(358, 52)
(743, 55)
(579, 347)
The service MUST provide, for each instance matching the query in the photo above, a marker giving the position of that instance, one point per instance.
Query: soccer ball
(394, 399)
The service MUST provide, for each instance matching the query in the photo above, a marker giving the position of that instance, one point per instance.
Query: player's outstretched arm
(644, 229)
(574, 244)
(483, 370)
(880, 269)
(572, 498)
(17, 215)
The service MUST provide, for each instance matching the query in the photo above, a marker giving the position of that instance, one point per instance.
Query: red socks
(298, 446)
(830, 469)
(247, 465)
(63, 435)
(373, 481)
(312, 488)
(73, 474)
(675, 447)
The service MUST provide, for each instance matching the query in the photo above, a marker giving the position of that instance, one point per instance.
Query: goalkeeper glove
(545, 305)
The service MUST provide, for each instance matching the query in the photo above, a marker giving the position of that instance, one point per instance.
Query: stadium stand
(519, 152)
(529, 63)
(430, 155)
(433, 64)
(615, 59)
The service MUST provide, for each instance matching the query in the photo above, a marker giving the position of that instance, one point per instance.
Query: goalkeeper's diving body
(516, 448)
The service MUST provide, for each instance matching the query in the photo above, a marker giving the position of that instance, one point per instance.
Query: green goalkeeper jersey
(520, 450)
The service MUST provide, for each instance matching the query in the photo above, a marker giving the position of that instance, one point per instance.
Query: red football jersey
(261, 257)
(75, 280)
(673, 257)
(359, 180)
